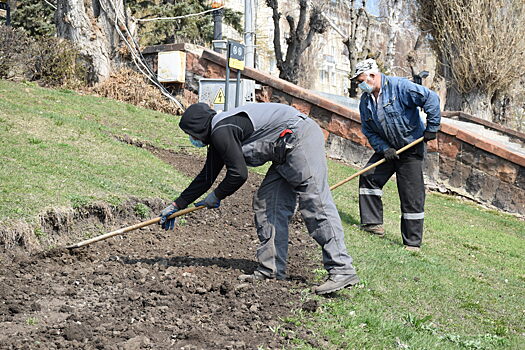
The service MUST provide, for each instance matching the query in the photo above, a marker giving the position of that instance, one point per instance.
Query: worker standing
(252, 135)
(390, 120)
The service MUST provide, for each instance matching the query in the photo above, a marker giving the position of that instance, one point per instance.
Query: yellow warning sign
(219, 99)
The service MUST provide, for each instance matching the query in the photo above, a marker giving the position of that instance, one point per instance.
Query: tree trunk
(90, 25)
(394, 22)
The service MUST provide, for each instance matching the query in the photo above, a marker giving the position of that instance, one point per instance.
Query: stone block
(446, 167)
(347, 151)
(214, 71)
(520, 179)
(507, 171)
(509, 198)
(264, 94)
(433, 145)
(195, 64)
(321, 116)
(460, 174)
(339, 126)
(468, 154)
(280, 97)
(475, 182)
(487, 163)
(448, 145)
(431, 167)
(356, 135)
(301, 105)
(489, 186)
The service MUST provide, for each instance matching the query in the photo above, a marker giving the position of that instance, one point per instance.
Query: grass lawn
(58, 149)
(464, 290)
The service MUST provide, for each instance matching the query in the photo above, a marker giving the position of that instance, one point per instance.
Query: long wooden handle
(132, 227)
(375, 164)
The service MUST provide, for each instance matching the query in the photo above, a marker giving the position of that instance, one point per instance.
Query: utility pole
(249, 33)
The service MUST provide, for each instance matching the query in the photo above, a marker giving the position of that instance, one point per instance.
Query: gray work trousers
(304, 177)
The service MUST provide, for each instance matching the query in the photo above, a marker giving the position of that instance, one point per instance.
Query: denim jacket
(402, 124)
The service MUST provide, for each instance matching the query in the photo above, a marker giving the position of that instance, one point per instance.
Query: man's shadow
(245, 265)
(349, 219)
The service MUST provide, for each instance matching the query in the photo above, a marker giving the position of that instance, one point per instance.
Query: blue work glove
(211, 201)
(168, 224)
(429, 136)
(390, 154)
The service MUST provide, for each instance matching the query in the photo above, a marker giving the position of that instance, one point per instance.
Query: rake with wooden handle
(371, 166)
(132, 227)
(189, 210)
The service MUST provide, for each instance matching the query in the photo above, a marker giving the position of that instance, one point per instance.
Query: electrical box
(172, 66)
(212, 92)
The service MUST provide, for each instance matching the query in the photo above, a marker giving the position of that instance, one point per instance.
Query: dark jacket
(242, 137)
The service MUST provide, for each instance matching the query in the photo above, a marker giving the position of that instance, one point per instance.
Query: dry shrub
(59, 63)
(129, 86)
(49, 61)
(17, 54)
(482, 42)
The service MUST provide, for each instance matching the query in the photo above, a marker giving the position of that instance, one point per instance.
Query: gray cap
(365, 66)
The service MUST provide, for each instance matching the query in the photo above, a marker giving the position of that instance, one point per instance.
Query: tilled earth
(151, 289)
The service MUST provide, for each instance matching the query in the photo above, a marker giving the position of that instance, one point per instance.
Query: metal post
(249, 32)
(237, 89)
(217, 27)
(227, 83)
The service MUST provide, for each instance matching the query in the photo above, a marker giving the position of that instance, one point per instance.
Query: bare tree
(481, 46)
(91, 25)
(299, 39)
(356, 36)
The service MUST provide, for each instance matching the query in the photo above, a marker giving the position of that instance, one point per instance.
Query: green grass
(465, 290)
(58, 149)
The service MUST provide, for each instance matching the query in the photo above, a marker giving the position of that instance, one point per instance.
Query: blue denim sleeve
(420, 96)
(376, 141)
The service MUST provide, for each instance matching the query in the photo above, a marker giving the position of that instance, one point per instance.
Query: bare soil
(151, 289)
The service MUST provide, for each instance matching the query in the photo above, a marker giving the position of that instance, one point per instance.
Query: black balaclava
(196, 121)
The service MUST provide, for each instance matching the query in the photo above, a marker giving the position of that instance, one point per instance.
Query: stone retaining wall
(458, 161)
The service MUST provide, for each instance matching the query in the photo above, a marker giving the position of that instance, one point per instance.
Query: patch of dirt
(152, 289)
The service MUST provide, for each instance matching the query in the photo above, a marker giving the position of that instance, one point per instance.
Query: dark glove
(168, 224)
(390, 154)
(429, 136)
(211, 201)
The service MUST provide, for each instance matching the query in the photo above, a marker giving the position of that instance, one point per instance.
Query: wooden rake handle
(375, 164)
(132, 227)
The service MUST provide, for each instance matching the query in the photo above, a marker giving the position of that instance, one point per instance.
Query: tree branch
(274, 5)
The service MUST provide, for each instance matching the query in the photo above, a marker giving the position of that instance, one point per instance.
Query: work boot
(412, 248)
(336, 282)
(374, 229)
(258, 276)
